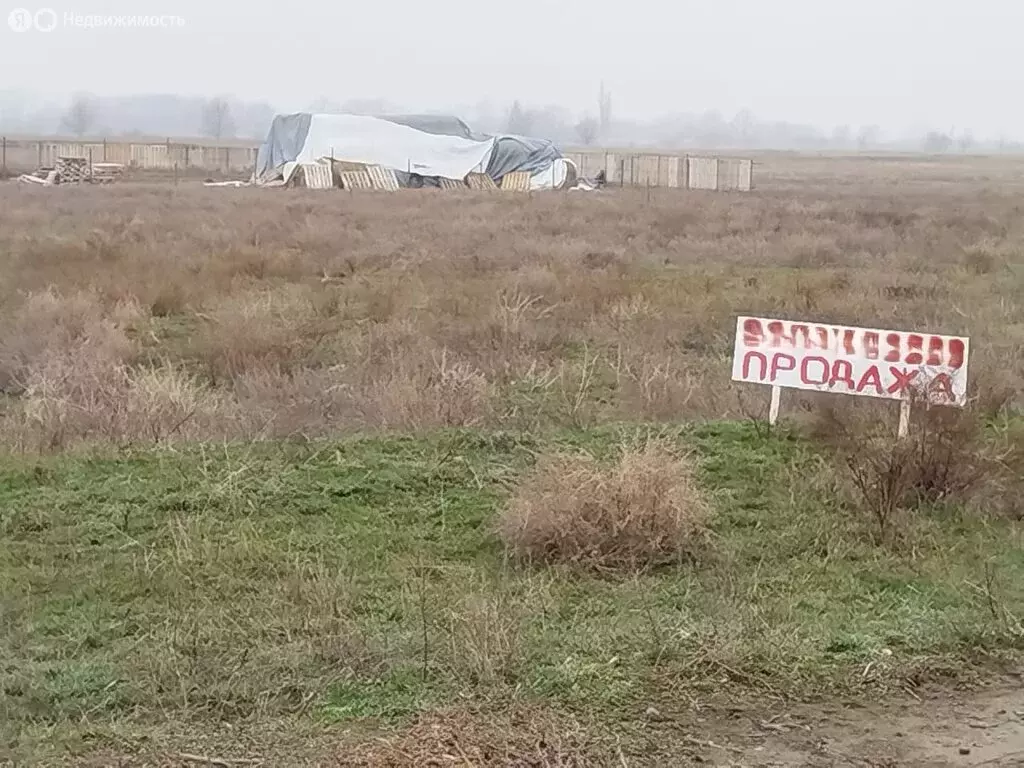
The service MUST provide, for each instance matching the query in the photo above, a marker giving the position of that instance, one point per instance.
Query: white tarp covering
(370, 140)
(552, 177)
(420, 150)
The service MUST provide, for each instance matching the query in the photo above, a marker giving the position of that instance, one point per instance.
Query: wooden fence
(680, 171)
(20, 155)
(622, 168)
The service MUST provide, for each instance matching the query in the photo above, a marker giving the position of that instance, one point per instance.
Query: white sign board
(851, 361)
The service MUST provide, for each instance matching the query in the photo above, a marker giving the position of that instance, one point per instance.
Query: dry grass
(523, 739)
(221, 600)
(644, 510)
(298, 313)
(970, 458)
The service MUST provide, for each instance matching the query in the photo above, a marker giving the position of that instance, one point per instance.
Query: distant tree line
(223, 117)
(87, 115)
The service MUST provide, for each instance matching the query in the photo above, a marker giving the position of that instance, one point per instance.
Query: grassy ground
(143, 313)
(198, 555)
(351, 585)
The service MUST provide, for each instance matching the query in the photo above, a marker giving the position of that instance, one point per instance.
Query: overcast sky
(903, 64)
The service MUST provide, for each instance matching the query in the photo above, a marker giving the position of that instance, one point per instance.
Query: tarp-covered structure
(421, 149)
(440, 125)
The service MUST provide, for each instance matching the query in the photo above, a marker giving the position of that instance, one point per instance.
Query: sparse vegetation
(644, 510)
(311, 315)
(365, 479)
(358, 582)
(951, 457)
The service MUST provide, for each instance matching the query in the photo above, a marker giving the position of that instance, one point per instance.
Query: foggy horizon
(897, 65)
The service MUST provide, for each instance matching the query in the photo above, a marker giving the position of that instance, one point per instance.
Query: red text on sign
(907, 348)
(839, 375)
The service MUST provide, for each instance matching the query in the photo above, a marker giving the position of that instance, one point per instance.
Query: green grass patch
(361, 580)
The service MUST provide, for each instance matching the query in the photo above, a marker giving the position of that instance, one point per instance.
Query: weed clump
(644, 510)
(949, 456)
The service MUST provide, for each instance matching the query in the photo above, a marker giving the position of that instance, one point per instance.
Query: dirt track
(941, 730)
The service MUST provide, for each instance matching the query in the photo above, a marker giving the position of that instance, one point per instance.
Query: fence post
(3, 157)
(904, 426)
(773, 407)
(40, 163)
(104, 150)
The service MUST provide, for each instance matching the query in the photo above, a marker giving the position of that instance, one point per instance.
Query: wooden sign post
(846, 360)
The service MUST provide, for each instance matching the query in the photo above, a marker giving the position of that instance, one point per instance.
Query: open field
(265, 452)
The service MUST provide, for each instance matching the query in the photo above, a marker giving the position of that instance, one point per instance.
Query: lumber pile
(73, 170)
(106, 173)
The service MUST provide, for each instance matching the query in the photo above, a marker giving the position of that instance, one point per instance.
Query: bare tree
(604, 110)
(965, 141)
(937, 142)
(551, 122)
(841, 136)
(587, 130)
(520, 122)
(217, 120)
(868, 136)
(744, 128)
(80, 117)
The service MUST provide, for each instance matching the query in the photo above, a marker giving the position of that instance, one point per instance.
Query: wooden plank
(72, 170)
(481, 182)
(702, 172)
(352, 180)
(317, 175)
(517, 181)
(383, 178)
(451, 184)
(339, 166)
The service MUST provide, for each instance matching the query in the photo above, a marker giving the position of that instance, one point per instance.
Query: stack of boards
(361, 177)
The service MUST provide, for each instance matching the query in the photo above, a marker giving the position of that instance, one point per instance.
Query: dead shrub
(171, 298)
(980, 261)
(82, 398)
(309, 402)
(518, 738)
(66, 359)
(439, 393)
(257, 329)
(49, 325)
(644, 510)
(312, 319)
(948, 456)
(485, 631)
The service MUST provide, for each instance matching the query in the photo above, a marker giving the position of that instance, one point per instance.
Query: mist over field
(502, 465)
(793, 74)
